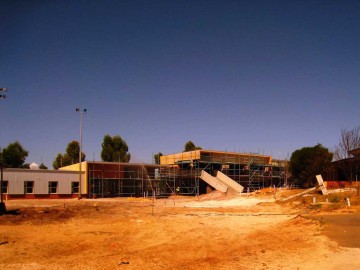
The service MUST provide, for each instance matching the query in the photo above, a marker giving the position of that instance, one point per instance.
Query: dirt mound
(215, 195)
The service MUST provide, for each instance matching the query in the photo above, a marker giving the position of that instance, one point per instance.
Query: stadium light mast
(2, 204)
(81, 112)
(3, 90)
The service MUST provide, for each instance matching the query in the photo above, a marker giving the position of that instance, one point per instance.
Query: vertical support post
(80, 185)
(2, 204)
(81, 112)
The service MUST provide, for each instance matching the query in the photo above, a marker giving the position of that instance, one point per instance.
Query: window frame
(73, 188)
(5, 187)
(27, 187)
(51, 188)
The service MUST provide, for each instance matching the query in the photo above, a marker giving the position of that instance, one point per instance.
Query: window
(29, 187)
(53, 187)
(74, 187)
(5, 187)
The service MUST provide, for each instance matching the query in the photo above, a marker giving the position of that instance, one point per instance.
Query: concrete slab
(230, 183)
(212, 181)
(321, 184)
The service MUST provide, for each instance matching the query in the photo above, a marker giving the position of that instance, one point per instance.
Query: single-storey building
(177, 173)
(36, 184)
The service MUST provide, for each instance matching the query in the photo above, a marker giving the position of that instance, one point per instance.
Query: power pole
(2, 204)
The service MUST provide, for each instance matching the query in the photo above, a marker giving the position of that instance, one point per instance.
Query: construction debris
(297, 195)
(321, 184)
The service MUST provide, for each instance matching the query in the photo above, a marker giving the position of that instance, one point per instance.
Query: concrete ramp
(230, 183)
(214, 182)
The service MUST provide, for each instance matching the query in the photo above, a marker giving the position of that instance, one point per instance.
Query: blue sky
(250, 76)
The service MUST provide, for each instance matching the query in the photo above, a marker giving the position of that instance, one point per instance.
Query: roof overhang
(355, 152)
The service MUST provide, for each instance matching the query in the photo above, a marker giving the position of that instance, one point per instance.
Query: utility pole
(2, 204)
(81, 113)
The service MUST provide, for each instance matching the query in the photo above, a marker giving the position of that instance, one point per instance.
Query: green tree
(72, 152)
(190, 146)
(14, 155)
(114, 149)
(157, 157)
(70, 157)
(43, 166)
(59, 161)
(307, 162)
(25, 166)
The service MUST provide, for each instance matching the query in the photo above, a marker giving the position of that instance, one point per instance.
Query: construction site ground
(211, 231)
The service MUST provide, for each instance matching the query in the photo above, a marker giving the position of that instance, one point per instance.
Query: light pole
(81, 113)
(2, 204)
(3, 90)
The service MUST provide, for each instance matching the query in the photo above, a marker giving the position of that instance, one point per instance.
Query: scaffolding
(180, 174)
(252, 171)
(107, 179)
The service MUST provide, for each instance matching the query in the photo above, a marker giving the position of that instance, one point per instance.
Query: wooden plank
(299, 194)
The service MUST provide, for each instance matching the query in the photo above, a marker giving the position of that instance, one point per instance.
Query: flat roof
(355, 152)
(39, 170)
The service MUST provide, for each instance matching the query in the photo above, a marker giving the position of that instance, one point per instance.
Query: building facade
(37, 184)
(177, 173)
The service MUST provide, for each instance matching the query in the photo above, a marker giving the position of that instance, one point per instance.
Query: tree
(70, 157)
(114, 149)
(43, 166)
(157, 157)
(190, 146)
(349, 140)
(307, 162)
(72, 152)
(25, 166)
(60, 161)
(14, 155)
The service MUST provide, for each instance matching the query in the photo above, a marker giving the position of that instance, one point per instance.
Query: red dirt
(173, 233)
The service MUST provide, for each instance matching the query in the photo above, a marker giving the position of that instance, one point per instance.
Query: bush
(315, 206)
(334, 198)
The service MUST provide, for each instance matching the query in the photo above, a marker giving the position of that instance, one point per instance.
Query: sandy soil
(209, 232)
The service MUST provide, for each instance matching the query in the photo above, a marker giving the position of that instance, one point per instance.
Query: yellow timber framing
(215, 156)
(84, 177)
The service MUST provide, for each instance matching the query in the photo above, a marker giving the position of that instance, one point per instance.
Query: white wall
(41, 179)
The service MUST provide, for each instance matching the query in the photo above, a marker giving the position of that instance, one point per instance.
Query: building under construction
(187, 173)
(251, 171)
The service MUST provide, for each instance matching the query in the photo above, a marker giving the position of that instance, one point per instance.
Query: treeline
(114, 149)
(305, 163)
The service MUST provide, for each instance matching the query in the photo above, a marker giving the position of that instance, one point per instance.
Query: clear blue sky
(250, 76)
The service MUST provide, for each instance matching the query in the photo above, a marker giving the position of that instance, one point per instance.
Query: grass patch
(334, 198)
(315, 206)
(331, 207)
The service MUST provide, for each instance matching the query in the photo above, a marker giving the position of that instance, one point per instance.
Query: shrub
(334, 198)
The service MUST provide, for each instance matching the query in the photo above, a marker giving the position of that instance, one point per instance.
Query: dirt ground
(206, 232)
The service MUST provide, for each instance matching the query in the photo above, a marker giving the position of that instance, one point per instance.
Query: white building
(33, 184)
